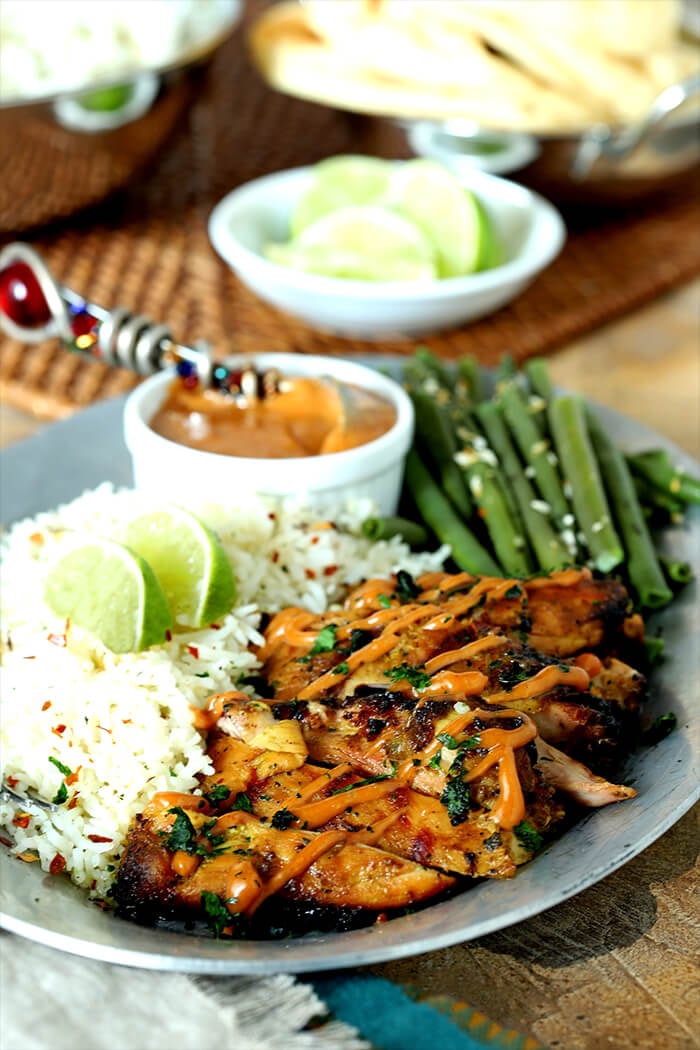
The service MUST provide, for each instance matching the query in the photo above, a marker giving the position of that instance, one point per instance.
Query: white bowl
(173, 472)
(257, 213)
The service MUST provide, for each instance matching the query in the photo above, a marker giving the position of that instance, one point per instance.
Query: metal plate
(79, 453)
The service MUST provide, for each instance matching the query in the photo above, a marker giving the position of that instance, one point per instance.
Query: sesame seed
(568, 520)
(529, 472)
(541, 506)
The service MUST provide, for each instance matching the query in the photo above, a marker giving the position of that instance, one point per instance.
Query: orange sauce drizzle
(321, 781)
(298, 865)
(591, 664)
(466, 652)
(243, 887)
(314, 814)
(542, 682)
(171, 799)
(184, 864)
(460, 683)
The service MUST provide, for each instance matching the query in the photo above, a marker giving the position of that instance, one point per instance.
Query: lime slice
(430, 196)
(189, 562)
(339, 181)
(362, 243)
(490, 247)
(110, 591)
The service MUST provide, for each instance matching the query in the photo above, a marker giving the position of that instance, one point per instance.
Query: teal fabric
(385, 1015)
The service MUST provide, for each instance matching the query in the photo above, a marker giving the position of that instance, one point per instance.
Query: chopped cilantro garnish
(341, 668)
(448, 740)
(60, 766)
(282, 819)
(362, 783)
(413, 675)
(436, 760)
(182, 834)
(660, 729)
(528, 836)
(456, 799)
(217, 794)
(406, 586)
(325, 640)
(217, 914)
(242, 802)
(61, 795)
(384, 601)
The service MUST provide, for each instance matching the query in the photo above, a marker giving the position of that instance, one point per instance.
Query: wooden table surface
(616, 966)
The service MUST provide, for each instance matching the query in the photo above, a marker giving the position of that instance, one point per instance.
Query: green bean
(438, 513)
(568, 424)
(549, 550)
(678, 573)
(536, 451)
(506, 369)
(643, 566)
(658, 469)
(468, 369)
(656, 502)
(436, 435)
(434, 366)
(394, 525)
(537, 372)
(504, 531)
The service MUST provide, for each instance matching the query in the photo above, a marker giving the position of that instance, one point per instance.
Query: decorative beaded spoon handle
(34, 307)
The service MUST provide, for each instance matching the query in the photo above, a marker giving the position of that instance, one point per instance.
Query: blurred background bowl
(66, 151)
(603, 165)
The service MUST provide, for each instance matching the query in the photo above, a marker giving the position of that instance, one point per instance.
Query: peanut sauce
(305, 417)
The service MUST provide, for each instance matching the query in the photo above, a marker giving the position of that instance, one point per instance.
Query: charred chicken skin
(425, 732)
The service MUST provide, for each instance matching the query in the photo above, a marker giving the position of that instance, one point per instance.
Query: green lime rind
(337, 182)
(110, 591)
(189, 562)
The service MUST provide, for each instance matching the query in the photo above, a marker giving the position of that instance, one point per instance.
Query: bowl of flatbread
(592, 98)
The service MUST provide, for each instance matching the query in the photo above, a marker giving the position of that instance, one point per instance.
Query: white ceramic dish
(57, 465)
(257, 213)
(374, 470)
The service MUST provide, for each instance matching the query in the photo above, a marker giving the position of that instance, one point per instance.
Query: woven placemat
(147, 249)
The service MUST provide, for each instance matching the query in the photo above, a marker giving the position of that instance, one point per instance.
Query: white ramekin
(173, 472)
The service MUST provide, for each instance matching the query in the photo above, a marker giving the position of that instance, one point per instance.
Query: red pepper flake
(315, 539)
(168, 635)
(73, 802)
(57, 865)
(99, 838)
(60, 729)
(59, 640)
(6, 842)
(13, 781)
(105, 729)
(46, 705)
(21, 820)
(329, 570)
(93, 884)
(36, 537)
(72, 777)
(272, 517)
(126, 721)
(310, 574)
(29, 657)
(215, 626)
(275, 557)
(382, 917)
(193, 651)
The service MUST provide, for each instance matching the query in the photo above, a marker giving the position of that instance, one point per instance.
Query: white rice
(122, 723)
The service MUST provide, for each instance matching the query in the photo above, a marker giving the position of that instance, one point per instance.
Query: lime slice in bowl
(111, 592)
(448, 214)
(189, 562)
(337, 182)
(363, 243)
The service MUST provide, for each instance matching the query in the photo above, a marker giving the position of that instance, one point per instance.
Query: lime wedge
(189, 563)
(448, 214)
(363, 243)
(337, 182)
(110, 591)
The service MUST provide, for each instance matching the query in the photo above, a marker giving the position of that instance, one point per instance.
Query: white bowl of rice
(171, 471)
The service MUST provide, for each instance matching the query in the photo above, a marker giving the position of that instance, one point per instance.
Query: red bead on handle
(21, 297)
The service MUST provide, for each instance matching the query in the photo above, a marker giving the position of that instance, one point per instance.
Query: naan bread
(539, 65)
